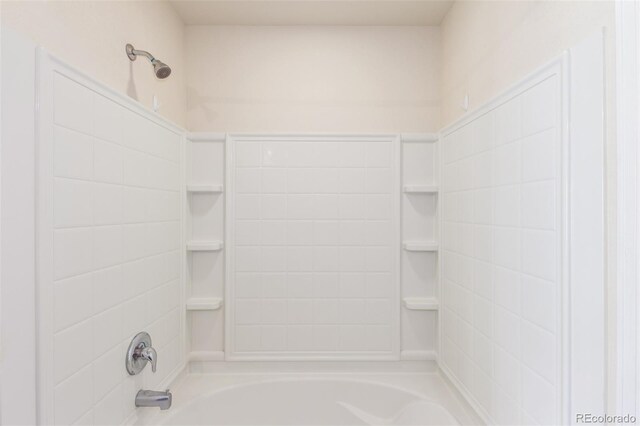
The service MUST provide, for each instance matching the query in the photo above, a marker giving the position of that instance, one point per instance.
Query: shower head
(161, 69)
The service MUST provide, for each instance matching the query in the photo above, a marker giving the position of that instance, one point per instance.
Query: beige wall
(489, 45)
(313, 79)
(91, 35)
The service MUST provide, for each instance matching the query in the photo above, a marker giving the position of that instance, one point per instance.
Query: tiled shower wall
(314, 246)
(501, 257)
(116, 267)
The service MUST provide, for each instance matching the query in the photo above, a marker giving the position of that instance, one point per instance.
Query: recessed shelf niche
(420, 189)
(204, 188)
(430, 246)
(204, 303)
(205, 245)
(419, 254)
(421, 303)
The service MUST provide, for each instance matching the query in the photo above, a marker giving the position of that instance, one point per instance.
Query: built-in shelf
(204, 245)
(421, 303)
(420, 189)
(204, 304)
(199, 188)
(420, 246)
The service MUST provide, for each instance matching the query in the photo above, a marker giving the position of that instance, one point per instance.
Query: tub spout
(149, 398)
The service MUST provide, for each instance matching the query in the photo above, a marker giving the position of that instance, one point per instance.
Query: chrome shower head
(160, 69)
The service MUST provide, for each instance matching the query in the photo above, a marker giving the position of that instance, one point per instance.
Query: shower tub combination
(314, 279)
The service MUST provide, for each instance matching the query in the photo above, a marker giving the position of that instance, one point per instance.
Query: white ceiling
(312, 12)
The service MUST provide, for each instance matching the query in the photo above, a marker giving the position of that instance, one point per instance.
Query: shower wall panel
(109, 247)
(502, 257)
(312, 225)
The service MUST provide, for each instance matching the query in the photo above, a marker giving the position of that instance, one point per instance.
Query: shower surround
(330, 247)
(278, 244)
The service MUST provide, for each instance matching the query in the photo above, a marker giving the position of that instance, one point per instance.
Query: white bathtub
(314, 399)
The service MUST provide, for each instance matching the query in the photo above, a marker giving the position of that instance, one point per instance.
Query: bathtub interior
(284, 397)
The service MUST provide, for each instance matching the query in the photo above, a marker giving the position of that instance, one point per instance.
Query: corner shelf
(420, 189)
(204, 245)
(420, 246)
(203, 188)
(204, 303)
(421, 303)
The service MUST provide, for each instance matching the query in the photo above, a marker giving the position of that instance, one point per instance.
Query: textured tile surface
(501, 295)
(313, 255)
(116, 251)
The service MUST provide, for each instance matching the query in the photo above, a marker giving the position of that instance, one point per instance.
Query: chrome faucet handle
(140, 352)
(150, 355)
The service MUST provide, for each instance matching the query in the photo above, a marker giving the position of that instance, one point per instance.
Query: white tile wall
(314, 248)
(116, 253)
(501, 257)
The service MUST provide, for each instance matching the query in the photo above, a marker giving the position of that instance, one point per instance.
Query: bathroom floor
(328, 393)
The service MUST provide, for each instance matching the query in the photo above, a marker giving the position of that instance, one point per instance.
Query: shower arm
(134, 53)
(160, 69)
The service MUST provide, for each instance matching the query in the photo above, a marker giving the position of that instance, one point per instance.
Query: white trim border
(625, 384)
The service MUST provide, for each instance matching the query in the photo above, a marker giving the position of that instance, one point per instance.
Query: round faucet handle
(141, 352)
